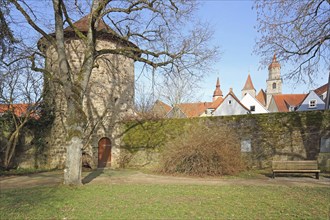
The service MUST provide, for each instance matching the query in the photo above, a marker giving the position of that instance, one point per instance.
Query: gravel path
(137, 177)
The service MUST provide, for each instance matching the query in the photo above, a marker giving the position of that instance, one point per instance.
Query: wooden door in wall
(104, 152)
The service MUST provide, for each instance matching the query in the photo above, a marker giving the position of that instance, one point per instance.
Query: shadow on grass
(92, 175)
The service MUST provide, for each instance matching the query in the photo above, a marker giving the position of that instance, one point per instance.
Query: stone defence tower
(109, 97)
(274, 81)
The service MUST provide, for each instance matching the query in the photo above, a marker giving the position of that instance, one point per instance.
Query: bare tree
(145, 98)
(178, 88)
(6, 35)
(298, 31)
(164, 36)
(20, 95)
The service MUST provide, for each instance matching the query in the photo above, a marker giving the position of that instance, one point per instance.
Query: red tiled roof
(18, 109)
(160, 108)
(217, 91)
(248, 84)
(165, 106)
(284, 101)
(274, 63)
(103, 31)
(83, 25)
(322, 89)
(194, 109)
(216, 103)
(261, 97)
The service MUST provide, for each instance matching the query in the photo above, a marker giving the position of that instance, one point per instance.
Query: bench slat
(295, 165)
(296, 171)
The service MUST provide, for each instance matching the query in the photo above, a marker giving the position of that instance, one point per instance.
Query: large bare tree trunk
(72, 172)
(73, 96)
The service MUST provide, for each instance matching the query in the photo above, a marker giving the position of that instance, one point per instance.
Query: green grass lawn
(134, 201)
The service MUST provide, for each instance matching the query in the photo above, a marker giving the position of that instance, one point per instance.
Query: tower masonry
(108, 98)
(274, 81)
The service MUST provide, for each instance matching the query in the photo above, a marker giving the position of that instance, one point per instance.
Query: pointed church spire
(248, 84)
(248, 87)
(217, 92)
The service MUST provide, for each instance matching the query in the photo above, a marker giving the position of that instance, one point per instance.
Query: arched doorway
(104, 152)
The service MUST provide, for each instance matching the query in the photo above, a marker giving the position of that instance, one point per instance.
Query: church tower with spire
(248, 87)
(217, 92)
(274, 81)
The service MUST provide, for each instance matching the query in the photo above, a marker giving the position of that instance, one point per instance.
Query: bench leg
(317, 176)
(273, 175)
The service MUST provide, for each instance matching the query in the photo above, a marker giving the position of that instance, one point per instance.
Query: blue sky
(233, 23)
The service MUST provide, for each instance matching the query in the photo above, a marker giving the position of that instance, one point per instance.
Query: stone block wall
(275, 136)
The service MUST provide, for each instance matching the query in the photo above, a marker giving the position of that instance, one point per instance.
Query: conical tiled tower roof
(274, 63)
(217, 91)
(248, 84)
(103, 31)
(83, 24)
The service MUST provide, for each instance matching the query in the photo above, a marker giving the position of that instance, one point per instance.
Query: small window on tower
(274, 85)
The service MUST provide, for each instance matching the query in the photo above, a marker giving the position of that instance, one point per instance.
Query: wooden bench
(305, 166)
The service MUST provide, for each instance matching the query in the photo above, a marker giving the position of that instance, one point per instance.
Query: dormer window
(229, 102)
(312, 103)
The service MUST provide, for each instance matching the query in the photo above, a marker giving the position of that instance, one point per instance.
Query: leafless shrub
(201, 152)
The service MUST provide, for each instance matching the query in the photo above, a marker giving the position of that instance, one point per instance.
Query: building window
(229, 102)
(325, 145)
(312, 103)
(246, 145)
(274, 85)
(292, 108)
(252, 108)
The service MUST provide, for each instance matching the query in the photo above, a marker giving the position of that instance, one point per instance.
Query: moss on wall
(288, 136)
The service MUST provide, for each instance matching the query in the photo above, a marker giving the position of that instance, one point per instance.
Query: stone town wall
(274, 136)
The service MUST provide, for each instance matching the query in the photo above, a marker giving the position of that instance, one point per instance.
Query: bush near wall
(274, 136)
(201, 151)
